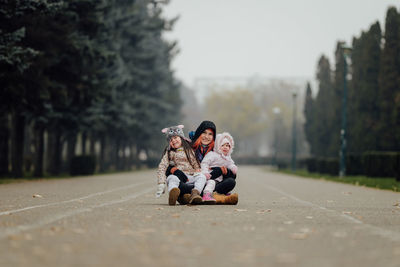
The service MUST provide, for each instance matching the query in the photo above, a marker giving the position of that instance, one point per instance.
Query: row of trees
(373, 107)
(93, 72)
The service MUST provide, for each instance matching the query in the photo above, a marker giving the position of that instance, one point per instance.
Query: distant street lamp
(294, 133)
(346, 52)
(276, 111)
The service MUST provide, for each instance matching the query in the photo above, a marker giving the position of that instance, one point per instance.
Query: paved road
(114, 220)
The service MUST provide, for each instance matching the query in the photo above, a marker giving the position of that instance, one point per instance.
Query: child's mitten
(160, 190)
(234, 169)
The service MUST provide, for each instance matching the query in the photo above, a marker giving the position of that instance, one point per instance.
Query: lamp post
(346, 52)
(276, 111)
(294, 133)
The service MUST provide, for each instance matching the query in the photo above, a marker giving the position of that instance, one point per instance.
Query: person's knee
(211, 182)
(230, 182)
(173, 179)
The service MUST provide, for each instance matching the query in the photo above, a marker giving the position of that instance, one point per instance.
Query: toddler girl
(218, 165)
(179, 154)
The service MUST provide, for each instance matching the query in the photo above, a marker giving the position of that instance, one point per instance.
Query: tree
(389, 85)
(363, 93)
(16, 57)
(324, 109)
(309, 125)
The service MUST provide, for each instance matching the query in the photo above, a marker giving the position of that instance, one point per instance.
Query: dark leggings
(223, 187)
(185, 188)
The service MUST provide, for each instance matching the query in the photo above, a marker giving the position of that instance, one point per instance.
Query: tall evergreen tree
(363, 92)
(389, 84)
(309, 125)
(323, 111)
(335, 116)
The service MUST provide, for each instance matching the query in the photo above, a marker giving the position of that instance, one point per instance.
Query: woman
(202, 142)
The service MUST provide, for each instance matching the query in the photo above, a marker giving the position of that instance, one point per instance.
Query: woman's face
(206, 137)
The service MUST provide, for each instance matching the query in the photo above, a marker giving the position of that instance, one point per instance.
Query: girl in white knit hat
(218, 165)
(180, 154)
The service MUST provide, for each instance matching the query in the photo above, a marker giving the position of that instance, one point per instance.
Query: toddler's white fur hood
(218, 142)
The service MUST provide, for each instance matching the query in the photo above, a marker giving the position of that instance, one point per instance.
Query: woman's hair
(186, 148)
(197, 143)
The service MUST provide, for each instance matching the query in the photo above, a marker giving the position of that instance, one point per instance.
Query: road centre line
(394, 236)
(71, 200)
(20, 228)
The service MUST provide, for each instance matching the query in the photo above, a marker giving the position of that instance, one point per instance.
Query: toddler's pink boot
(208, 198)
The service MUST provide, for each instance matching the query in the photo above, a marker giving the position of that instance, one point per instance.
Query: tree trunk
(39, 150)
(28, 143)
(55, 149)
(102, 162)
(4, 136)
(117, 158)
(92, 146)
(17, 143)
(83, 144)
(71, 144)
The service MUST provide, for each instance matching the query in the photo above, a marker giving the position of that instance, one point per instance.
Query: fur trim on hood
(221, 139)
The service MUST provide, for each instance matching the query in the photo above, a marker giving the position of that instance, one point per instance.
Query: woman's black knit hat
(202, 127)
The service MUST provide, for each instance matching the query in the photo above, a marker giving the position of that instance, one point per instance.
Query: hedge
(82, 165)
(371, 163)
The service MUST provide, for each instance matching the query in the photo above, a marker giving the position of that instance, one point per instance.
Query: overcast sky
(273, 38)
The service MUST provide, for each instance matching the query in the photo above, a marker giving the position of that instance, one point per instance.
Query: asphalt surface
(115, 220)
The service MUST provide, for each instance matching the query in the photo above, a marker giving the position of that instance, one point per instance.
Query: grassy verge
(376, 182)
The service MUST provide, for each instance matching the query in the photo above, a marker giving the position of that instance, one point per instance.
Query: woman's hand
(208, 176)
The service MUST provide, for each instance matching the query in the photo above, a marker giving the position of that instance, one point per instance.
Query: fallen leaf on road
(298, 236)
(240, 210)
(397, 204)
(37, 196)
(214, 223)
(309, 217)
(347, 212)
(330, 201)
(263, 211)
(126, 232)
(174, 233)
(176, 215)
(288, 222)
(159, 208)
(346, 193)
(56, 229)
(196, 209)
(78, 231)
